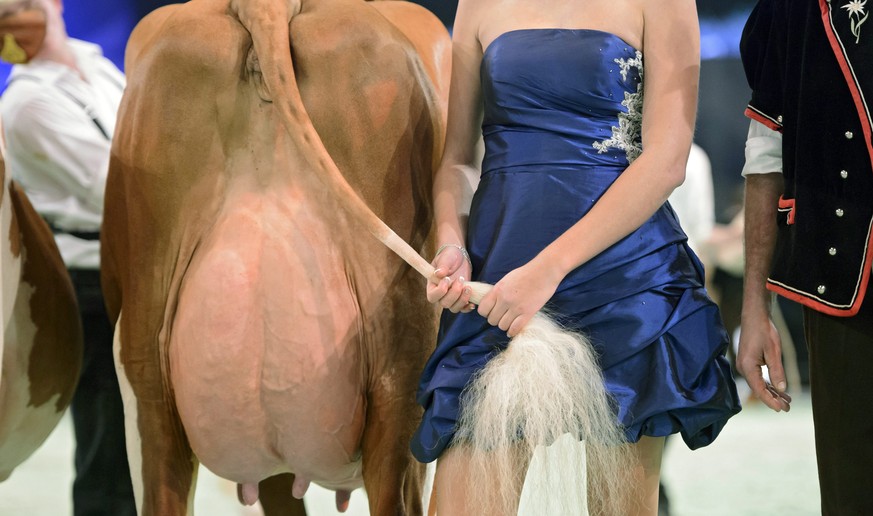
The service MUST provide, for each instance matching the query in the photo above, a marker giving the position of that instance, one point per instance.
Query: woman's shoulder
(470, 17)
(665, 10)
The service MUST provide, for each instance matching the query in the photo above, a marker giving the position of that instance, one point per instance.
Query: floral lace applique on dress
(628, 135)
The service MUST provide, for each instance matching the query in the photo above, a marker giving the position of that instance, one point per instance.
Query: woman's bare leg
(648, 474)
(640, 498)
(451, 495)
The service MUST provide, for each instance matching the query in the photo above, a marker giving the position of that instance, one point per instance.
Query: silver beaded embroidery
(626, 136)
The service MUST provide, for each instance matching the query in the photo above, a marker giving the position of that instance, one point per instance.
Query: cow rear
(263, 330)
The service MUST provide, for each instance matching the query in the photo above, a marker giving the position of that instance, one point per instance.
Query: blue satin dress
(562, 122)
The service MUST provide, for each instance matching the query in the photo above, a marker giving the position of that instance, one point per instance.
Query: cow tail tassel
(546, 384)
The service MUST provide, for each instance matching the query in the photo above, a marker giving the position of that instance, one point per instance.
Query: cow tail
(268, 23)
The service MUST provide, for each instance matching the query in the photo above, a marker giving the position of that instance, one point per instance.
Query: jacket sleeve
(762, 49)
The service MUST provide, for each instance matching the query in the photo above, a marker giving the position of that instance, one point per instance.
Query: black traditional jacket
(810, 66)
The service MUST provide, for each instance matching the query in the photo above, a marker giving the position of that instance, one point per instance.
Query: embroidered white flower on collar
(857, 16)
(855, 7)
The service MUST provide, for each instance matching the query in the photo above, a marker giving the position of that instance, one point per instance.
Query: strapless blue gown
(562, 122)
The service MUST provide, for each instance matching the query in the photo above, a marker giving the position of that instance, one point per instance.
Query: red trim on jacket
(787, 204)
(812, 301)
(819, 306)
(837, 48)
(758, 116)
(863, 116)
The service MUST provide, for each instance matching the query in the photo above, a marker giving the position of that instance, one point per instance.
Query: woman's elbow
(675, 175)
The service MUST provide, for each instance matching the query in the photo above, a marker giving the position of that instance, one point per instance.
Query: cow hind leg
(163, 469)
(392, 477)
(277, 499)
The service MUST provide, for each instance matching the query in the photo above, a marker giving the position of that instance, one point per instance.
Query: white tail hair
(546, 384)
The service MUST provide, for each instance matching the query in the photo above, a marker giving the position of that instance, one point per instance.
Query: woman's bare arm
(452, 189)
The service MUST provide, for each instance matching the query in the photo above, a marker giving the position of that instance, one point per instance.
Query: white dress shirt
(58, 127)
(763, 150)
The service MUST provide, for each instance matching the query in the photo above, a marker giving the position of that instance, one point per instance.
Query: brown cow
(41, 346)
(261, 330)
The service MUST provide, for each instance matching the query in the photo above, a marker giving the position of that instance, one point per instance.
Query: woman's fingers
(463, 300)
(453, 295)
(493, 308)
(438, 275)
(437, 291)
(486, 305)
(500, 313)
(496, 315)
(506, 321)
(517, 325)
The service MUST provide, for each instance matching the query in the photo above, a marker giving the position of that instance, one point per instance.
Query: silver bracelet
(456, 246)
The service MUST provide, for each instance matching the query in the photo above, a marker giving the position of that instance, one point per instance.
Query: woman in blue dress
(570, 214)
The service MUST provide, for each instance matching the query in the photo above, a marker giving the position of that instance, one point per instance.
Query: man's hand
(760, 345)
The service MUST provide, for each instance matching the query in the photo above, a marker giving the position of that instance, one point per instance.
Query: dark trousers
(102, 486)
(840, 357)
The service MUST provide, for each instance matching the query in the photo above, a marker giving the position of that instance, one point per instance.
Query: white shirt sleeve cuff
(763, 150)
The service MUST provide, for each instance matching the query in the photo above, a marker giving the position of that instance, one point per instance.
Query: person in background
(808, 219)
(694, 202)
(59, 113)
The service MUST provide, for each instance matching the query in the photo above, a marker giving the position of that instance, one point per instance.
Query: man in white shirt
(59, 112)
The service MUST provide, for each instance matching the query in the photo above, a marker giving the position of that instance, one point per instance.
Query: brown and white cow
(41, 346)
(262, 331)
